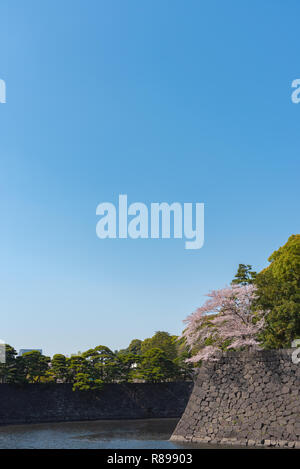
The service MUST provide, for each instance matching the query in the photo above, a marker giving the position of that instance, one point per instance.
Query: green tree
(156, 367)
(83, 373)
(135, 347)
(8, 369)
(60, 368)
(184, 370)
(35, 365)
(127, 357)
(77, 364)
(126, 365)
(164, 341)
(86, 382)
(20, 372)
(244, 275)
(279, 293)
(104, 363)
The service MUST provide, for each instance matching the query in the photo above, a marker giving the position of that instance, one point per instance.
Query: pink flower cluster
(233, 318)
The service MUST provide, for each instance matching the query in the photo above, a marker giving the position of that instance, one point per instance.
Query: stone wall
(245, 398)
(57, 402)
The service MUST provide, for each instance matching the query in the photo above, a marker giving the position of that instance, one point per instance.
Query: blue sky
(163, 101)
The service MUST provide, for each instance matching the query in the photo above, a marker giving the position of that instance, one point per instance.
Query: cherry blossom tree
(225, 319)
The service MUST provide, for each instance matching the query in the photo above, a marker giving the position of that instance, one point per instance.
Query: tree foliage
(156, 367)
(59, 368)
(35, 366)
(162, 340)
(278, 288)
(225, 321)
(85, 382)
(10, 371)
(244, 276)
(135, 347)
(257, 310)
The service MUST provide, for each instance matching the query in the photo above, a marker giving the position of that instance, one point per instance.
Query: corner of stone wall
(250, 399)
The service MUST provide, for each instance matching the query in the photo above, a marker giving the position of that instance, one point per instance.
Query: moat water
(100, 434)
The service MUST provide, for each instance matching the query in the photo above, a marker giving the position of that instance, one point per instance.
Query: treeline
(163, 357)
(278, 294)
(160, 358)
(257, 311)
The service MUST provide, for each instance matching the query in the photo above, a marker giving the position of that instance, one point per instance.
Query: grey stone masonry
(34, 403)
(246, 398)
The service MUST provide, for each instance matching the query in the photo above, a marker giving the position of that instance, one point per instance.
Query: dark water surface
(105, 434)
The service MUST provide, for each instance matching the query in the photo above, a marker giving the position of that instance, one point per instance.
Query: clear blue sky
(160, 100)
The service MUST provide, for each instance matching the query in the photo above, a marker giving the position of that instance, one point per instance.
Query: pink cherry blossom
(232, 317)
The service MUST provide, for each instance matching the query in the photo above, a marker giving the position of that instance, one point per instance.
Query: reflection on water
(111, 434)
